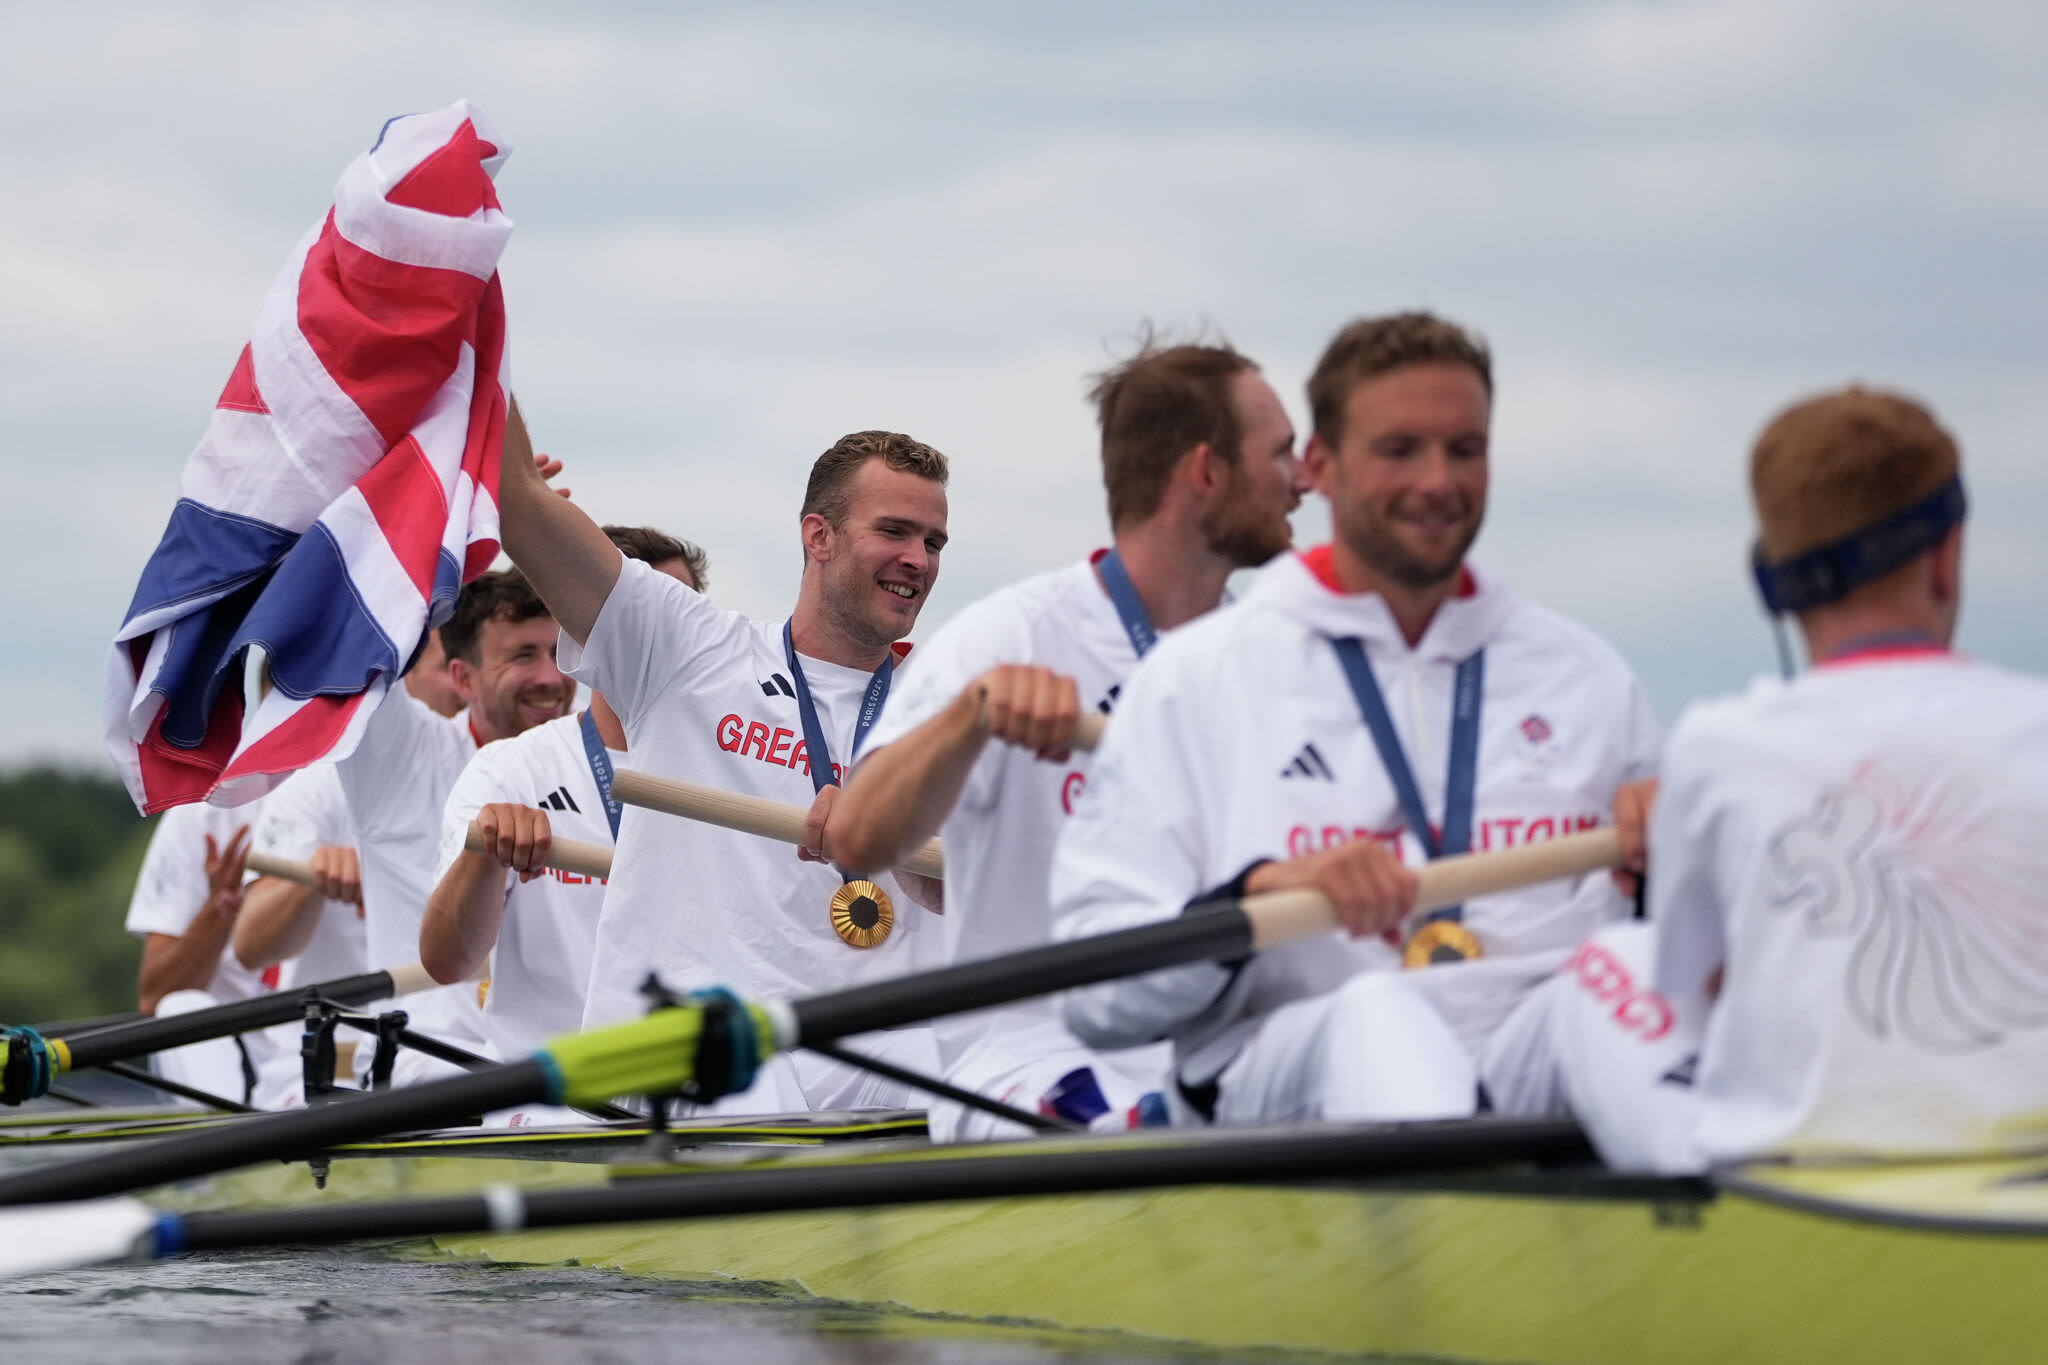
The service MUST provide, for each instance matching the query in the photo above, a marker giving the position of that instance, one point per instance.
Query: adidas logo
(777, 685)
(559, 799)
(1309, 763)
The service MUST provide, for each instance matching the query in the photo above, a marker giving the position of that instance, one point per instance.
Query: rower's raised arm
(570, 562)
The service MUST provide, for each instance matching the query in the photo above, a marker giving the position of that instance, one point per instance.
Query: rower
(768, 708)
(536, 930)
(184, 906)
(1199, 462)
(1367, 704)
(1850, 899)
(501, 650)
(297, 934)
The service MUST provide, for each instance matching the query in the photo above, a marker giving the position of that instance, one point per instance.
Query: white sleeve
(1686, 911)
(1131, 854)
(482, 783)
(307, 812)
(1643, 737)
(968, 646)
(651, 633)
(404, 737)
(172, 886)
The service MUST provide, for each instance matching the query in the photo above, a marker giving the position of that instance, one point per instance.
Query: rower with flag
(761, 709)
(1367, 707)
(1198, 460)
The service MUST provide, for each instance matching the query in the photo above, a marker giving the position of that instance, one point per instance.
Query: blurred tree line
(70, 845)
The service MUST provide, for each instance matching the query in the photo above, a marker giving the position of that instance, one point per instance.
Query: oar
(38, 1239)
(566, 855)
(660, 1053)
(33, 1060)
(774, 819)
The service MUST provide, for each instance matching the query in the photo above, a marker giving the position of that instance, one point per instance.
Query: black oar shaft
(272, 1136)
(1257, 1156)
(123, 1042)
(1222, 932)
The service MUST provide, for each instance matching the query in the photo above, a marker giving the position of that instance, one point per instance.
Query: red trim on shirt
(1322, 562)
(1884, 653)
(478, 739)
(901, 649)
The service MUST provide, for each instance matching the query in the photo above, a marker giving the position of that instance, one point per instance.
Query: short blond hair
(1838, 463)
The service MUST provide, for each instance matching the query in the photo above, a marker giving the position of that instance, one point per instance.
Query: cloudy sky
(742, 232)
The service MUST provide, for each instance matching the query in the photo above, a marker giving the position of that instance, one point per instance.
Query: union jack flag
(346, 485)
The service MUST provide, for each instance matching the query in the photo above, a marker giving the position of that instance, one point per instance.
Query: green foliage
(70, 844)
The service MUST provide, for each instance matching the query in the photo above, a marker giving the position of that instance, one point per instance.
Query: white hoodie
(1239, 740)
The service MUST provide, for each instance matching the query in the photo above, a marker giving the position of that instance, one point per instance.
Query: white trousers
(1595, 1041)
(1123, 1078)
(1373, 1050)
(800, 1081)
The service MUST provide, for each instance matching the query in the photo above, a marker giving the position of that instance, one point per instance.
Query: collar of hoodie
(1299, 584)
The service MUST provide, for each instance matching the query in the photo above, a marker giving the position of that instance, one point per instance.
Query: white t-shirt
(1861, 849)
(1239, 739)
(1000, 835)
(172, 888)
(705, 696)
(397, 782)
(540, 966)
(307, 812)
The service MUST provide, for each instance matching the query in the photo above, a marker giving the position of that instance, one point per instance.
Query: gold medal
(861, 914)
(1440, 940)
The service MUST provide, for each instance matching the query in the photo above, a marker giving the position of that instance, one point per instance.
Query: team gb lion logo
(1944, 890)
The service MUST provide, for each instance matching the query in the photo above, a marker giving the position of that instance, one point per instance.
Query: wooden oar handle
(747, 814)
(565, 855)
(1283, 916)
(288, 869)
(1088, 730)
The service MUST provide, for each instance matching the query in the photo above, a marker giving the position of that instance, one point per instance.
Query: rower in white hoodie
(1366, 706)
(1847, 951)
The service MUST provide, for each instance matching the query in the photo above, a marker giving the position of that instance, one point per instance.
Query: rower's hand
(812, 849)
(1632, 806)
(336, 874)
(549, 466)
(225, 867)
(517, 837)
(1031, 707)
(1367, 884)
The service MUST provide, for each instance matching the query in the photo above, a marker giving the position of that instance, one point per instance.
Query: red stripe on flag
(172, 776)
(452, 180)
(308, 735)
(411, 508)
(388, 334)
(485, 439)
(241, 394)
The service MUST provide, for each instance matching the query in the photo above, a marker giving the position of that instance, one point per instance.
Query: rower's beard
(1373, 541)
(1243, 535)
(850, 609)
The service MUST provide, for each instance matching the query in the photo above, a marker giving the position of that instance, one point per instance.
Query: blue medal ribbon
(815, 750)
(1123, 594)
(601, 770)
(1460, 784)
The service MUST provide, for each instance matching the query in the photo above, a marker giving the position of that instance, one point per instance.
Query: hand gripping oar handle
(1279, 917)
(747, 814)
(564, 855)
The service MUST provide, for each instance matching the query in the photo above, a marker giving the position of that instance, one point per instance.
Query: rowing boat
(1852, 1262)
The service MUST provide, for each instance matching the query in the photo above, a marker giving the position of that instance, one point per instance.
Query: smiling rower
(771, 708)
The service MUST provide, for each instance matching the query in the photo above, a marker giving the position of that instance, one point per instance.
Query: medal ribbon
(600, 769)
(819, 756)
(1123, 593)
(1460, 783)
